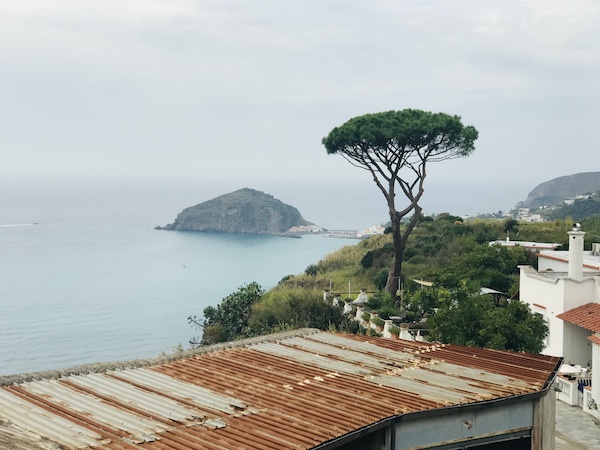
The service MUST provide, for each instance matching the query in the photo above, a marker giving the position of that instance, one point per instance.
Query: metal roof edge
(7, 380)
(388, 421)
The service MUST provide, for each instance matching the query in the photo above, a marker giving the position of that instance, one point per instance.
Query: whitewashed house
(566, 291)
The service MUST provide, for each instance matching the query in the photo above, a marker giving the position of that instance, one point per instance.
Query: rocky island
(244, 211)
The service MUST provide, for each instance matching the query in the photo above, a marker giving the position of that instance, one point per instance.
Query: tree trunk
(399, 239)
(395, 272)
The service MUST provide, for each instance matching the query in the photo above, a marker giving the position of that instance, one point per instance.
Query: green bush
(296, 308)
(372, 332)
(378, 321)
(380, 279)
(229, 320)
(311, 270)
(385, 311)
(474, 320)
(213, 334)
(367, 260)
(379, 300)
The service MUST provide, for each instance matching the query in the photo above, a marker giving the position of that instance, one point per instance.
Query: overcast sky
(237, 90)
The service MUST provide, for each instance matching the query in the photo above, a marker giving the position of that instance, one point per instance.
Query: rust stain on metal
(285, 392)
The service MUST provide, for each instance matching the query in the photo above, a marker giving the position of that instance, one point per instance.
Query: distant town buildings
(570, 201)
(371, 231)
(352, 234)
(305, 229)
(526, 215)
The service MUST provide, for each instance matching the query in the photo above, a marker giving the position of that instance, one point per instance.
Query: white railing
(582, 382)
(572, 391)
(589, 404)
(566, 390)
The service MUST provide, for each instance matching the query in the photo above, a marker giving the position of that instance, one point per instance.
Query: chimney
(576, 252)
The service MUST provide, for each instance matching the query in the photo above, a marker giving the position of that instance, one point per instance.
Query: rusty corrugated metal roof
(586, 316)
(292, 390)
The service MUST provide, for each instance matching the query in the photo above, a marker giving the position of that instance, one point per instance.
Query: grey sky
(238, 90)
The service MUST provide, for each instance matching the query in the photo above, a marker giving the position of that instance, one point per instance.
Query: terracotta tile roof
(594, 338)
(586, 316)
(292, 390)
(588, 264)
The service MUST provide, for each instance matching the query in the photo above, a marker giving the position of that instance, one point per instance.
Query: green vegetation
(395, 147)
(579, 210)
(229, 320)
(291, 309)
(251, 312)
(453, 258)
(466, 318)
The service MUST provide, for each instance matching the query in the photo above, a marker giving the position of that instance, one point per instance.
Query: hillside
(578, 210)
(557, 190)
(244, 211)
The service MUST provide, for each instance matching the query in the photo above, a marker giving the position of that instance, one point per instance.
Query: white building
(371, 231)
(565, 290)
(531, 246)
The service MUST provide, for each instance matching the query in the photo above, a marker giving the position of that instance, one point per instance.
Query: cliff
(244, 211)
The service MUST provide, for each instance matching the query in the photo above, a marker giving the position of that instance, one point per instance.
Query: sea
(85, 277)
(86, 283)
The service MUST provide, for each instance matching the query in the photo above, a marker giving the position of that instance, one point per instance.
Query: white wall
(596, 373)
(577, 348)
(563, 266)
(557, 295)
(579, 293)
(556, 266)
(549, 293)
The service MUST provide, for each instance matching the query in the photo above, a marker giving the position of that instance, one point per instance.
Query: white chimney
(576, 252)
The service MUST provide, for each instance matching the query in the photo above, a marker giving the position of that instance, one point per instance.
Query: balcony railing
(571, 389)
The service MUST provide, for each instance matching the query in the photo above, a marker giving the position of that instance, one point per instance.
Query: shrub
(311, 270)
(380, 279)
(229, 320)
(379, 300)
(378, 321)
(284, 279)
(387, 310)
(296, 308)
(372, 332)
(367, 260)
(213, 334)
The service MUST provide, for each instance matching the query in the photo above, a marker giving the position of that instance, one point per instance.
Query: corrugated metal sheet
(586, 316)
(289, 391)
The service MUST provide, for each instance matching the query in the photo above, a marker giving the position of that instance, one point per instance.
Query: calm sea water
(89, 285)
(95, 282)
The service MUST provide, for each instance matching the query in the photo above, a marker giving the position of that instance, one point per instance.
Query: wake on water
(18, 225)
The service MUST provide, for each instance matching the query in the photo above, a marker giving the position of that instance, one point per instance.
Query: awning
(423, 283)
